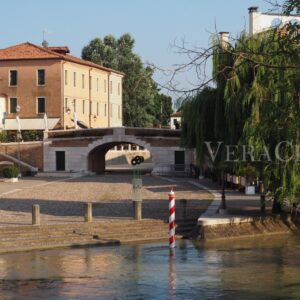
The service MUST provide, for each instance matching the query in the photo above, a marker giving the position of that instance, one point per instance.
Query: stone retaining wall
(30, 152)
(258, 226)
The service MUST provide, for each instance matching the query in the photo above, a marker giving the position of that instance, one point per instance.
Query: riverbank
(241, 218)
(62, 213)
(62, 202)
(247, 228)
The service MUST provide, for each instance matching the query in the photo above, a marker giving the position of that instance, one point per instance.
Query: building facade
(259, 21)
(72, 92)
(175, 120)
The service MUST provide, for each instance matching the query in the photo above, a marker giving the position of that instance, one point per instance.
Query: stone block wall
(30, 152)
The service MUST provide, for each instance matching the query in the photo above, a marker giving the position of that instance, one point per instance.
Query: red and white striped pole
(172, 219)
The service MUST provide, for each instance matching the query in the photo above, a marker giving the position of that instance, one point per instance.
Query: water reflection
(253, 269)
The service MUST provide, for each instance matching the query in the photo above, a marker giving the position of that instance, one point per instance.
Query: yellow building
(39, 80)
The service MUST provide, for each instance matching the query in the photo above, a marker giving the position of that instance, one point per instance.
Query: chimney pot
(224, 39)
(253, 9)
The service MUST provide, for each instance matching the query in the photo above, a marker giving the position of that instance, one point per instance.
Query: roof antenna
(44, 43)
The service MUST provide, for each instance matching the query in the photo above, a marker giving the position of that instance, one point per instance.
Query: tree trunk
(276, 209)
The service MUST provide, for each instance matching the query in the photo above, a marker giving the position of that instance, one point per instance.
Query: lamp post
(223, 197)
(19, 137)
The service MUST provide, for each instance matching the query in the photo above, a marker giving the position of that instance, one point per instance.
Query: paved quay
(61, 200)
(240, 208)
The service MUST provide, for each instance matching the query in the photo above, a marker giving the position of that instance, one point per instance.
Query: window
(13, 102)
(111, 87)
(97, 84)
(119, 112)
(105, 109)
(13, 77)
(74, 102)
(66, 104)
(41, 105)
(104, 86)
(119, 89)
(83, 106)
(66, 77)
(41, 77)
(97, 108)
(74, 83)
(83, 81)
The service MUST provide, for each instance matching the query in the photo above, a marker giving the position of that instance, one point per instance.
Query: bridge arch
(98, 149)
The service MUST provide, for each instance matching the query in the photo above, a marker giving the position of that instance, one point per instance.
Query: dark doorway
(60, 161)
(179, 160)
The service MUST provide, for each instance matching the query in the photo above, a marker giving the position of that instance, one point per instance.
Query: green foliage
(141, 97)
(32, 135)
(198, 115)
(10, 172)
(249, 171)
(255, 102)
(3, 137)
(291, 6)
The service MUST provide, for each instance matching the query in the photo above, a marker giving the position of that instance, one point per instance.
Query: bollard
(137, 205)
(171, 219)
(36, 214)
(88, 213)
(223, 203)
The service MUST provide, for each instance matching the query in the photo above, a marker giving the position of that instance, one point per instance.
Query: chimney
(224, 39)
(253, 10)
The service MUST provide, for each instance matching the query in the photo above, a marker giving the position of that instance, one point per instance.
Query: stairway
(23, 238)
(187, 227)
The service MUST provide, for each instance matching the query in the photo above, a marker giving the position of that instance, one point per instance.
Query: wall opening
(60, 160)
(117, 157)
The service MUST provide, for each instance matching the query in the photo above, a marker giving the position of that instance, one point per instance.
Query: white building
(175, 120)
(259, 22)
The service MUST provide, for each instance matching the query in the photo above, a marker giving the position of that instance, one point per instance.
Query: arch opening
(117, 156)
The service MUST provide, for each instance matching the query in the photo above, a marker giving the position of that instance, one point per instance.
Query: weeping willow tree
(203, 116)
(262, 106)
(256, 103)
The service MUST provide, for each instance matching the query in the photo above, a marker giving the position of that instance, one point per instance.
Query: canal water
(264, 268)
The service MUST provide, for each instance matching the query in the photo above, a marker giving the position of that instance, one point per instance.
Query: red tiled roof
(176, 114)
(60, 49)
(28, 51)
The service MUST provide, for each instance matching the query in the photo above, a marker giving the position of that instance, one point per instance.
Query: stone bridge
(84, 150)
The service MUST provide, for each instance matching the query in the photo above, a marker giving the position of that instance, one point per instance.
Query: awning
(29, 124)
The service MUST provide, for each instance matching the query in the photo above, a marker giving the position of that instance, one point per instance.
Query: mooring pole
(172, 219)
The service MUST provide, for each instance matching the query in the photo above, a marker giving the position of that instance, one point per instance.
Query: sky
(155, 25)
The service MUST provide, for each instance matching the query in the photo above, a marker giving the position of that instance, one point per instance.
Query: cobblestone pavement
(237, 202)
(61, 200)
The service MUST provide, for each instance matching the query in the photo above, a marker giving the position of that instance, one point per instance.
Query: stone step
(36, 232)
(79, 232)
(57, 244)
(120, 235)
(52, 236)
(21, 243)
(76, 226)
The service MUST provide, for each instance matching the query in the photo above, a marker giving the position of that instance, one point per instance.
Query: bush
(11, 172)
(3, 137)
